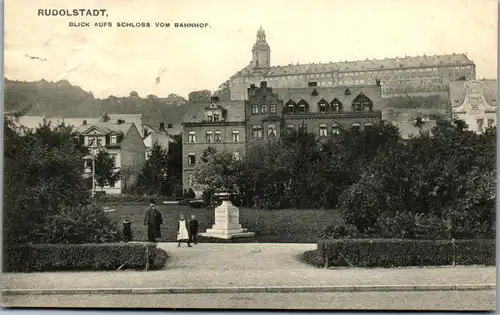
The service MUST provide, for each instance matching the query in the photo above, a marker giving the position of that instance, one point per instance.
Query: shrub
(59, 257)
(360, 206)
(78, 225)
(404, 252)
(190, 194)
(113, 199)
(340, 230)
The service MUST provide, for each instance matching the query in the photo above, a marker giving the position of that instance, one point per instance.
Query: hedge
(402, 252)
(63, 257)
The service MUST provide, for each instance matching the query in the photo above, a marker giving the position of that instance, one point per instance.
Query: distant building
(123, 141)
(475, 102)
(159, 135)
(400, 76)
(217, 124)
(229, 126)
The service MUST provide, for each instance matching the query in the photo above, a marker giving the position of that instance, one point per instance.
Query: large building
(475, 102)
(217, 124)
(229, 126)
(400, 76)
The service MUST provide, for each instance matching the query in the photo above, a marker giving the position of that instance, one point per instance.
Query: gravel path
(244, 265)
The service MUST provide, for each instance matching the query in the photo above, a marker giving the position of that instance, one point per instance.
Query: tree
(219, 173)
(153, 179)
(105, 172)
(43, 172)
(202, 96)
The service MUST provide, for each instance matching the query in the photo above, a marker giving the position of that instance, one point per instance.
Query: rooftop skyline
(115, 61)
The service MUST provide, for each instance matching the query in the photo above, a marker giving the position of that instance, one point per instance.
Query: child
(193, 229)
(182, 234)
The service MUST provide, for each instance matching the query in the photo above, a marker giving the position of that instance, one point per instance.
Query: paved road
(436, 300)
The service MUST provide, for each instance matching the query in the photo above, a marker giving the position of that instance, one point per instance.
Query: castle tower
(261, 52)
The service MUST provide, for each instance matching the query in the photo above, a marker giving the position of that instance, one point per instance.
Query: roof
(331, 93)
(364, 65)
(34, 121)
(458, 91)
(235, 112)
(108, 127)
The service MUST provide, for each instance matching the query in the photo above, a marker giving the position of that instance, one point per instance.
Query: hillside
(64, 99)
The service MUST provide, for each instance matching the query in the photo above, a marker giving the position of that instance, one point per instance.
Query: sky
(116, 60)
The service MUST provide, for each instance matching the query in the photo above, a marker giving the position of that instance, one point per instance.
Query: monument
(227, 221)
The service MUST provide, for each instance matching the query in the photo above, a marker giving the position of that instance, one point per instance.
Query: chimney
(214, 99)
(84, 122)
(162, 126)
(263, 84)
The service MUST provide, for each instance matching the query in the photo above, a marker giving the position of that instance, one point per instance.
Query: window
(192, 137)
(322, 107)
(236, 156)
(113, 157)
(191, 159)
(216, 117)
(271, 131)
(335, 129)
(480, 123)
(257, 131)
(368, 126)
(302, 108)
(263, 109)
(91, 141)
(336, 107)
(99, 142)
(289, 128)
(255, 109)
(209, 137)
(272, 108)
(355, 126)
(210, 118)
(323, 132)
(113, 139)
(236, 136)
(290, 108)
(218, 136)
(356, 107)
(491, 122)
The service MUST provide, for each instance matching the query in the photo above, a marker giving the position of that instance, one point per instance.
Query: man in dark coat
(193, 229)
(153, 220)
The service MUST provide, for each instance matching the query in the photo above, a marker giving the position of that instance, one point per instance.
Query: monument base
(227, 224)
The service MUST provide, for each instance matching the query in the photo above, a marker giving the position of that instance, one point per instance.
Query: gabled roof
(34, 121)
(331, 93)
(107, 128)
(235, 112)
(458, 91)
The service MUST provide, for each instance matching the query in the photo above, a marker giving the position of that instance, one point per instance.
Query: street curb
(282, 289)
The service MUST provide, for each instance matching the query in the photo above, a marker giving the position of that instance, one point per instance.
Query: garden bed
(83, 257)
(401, 253)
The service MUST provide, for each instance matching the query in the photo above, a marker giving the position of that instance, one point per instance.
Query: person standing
(182, 232)
(153, 220)
(193, 229)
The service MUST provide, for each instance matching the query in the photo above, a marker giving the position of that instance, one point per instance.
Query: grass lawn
(270, 226)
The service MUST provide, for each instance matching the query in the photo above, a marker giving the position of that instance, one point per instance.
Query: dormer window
(216, 117)
(322, 107)
(263, 109)
(290, 108)
(113, 139)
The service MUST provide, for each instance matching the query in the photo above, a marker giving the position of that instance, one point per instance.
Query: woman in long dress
(182, 232)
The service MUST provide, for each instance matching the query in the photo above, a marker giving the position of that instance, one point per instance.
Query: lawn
(270, 226)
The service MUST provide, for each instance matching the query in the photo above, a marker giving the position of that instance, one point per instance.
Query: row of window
(98, 141)
(258, 130)
(263, 109)
(335, 106)
(192, 157)
(480, 123)
(214, 137)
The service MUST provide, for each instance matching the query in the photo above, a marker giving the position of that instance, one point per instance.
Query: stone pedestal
(227, 223)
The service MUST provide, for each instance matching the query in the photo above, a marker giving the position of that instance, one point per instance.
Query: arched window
(323, 131)
(257, 131)
(335, 129)
(271, 131)
(368, 126)
(356, 126)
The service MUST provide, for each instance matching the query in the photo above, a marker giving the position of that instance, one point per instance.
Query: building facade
(123, 142)
(475, 102)
(159, 135)
(218, 124)
(418, 76)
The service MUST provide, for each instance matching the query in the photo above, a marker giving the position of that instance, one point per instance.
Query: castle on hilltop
(414, 76)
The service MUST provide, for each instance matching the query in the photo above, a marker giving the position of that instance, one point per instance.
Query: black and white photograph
(250, 155)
